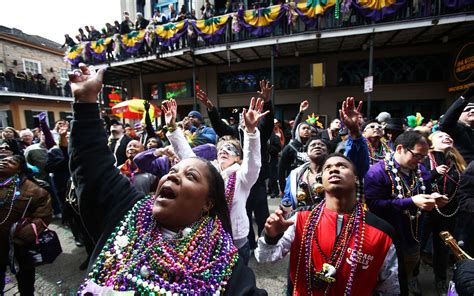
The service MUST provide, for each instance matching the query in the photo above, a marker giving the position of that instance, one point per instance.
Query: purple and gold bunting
(171, 32)
(211, 29)
(132, 41)
(310, 10)
(98, 48)
(74, 54)
(261, 21)
(377, 9)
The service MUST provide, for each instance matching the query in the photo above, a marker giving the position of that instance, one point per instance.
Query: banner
(132, 41)
(170, 33)
(377, 9)
(309, 11)
(261, 21)
(74, 54)
(211, 29)
(98, 48)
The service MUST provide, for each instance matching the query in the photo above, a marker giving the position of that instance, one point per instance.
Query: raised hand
(276, 224)
(253, 115)
(304, 106)
(86, 83)
(203, 98)
(265, 90)
(350, 115)
(170, 109)
(42, 116)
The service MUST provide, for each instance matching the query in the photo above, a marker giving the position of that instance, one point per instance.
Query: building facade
(412, 57)
(33, 61)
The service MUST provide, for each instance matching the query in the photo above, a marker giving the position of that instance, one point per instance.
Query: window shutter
(9, 118)
(30, 121)
(51, 119)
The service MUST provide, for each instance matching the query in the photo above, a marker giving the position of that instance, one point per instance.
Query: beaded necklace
(230, 190)
(376, 156)
(309, 188)
(446, 176)
(355, 225)
(12, 194)
(138, 257)
(401, 189)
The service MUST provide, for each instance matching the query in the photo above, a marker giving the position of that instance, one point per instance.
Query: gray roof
(34, 39)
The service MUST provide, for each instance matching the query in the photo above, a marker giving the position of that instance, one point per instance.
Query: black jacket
(265, 126)
(105, 196)
(289, 161)
(462, 134)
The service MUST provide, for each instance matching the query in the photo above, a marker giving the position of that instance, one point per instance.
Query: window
(63, 75)
(31, 66)
(394, 70)
(247, 81)
(176, 89)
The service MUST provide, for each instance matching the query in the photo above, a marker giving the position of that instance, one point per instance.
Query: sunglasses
(6, 148)
(468, 109)
(373, 126)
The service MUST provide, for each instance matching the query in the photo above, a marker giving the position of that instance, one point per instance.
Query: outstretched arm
(150, 132)
(104, 195)
(175, 134)
(449, 121)
(217, 124)
(356, 146)
(299, 118)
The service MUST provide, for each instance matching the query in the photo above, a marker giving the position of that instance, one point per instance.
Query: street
(63, 277)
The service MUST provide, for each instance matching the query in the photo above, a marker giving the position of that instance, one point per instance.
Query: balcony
(414, 23)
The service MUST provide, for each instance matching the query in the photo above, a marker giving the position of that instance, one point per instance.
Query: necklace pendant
(325, 276)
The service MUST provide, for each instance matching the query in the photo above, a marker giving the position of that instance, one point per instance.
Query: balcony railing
(278, 20)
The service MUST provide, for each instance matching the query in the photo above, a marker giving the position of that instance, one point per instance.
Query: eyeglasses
(6, 148)
(417, 156)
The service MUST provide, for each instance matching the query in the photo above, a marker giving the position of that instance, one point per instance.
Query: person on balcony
(125, 24)
(141, 23)
(68, 41)
(159, 18)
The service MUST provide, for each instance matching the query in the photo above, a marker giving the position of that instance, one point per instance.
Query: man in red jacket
(337, 247)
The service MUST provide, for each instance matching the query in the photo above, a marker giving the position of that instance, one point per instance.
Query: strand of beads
(12, 194)
(230, 190)
(357, 252)
(403, 190)
(139, 257)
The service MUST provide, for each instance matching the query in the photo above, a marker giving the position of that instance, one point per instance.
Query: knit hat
(468, 107)
(383, 117)
(195, 114)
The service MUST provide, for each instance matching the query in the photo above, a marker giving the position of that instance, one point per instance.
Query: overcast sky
(52, 19)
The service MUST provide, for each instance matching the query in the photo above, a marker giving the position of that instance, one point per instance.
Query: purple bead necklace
(139, 257)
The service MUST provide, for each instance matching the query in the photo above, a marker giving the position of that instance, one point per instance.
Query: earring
(204, 213)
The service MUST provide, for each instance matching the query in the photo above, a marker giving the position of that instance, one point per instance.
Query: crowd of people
(33, 84)
(169, 209)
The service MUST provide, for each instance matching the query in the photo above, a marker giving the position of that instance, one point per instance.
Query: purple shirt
(379, 199)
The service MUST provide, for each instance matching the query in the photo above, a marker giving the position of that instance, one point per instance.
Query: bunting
(261, 21)
(74, 54)
(171, 32)
(132, 41)
(377, 9)
(211, 29)
(98, 48)
(308, 11)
